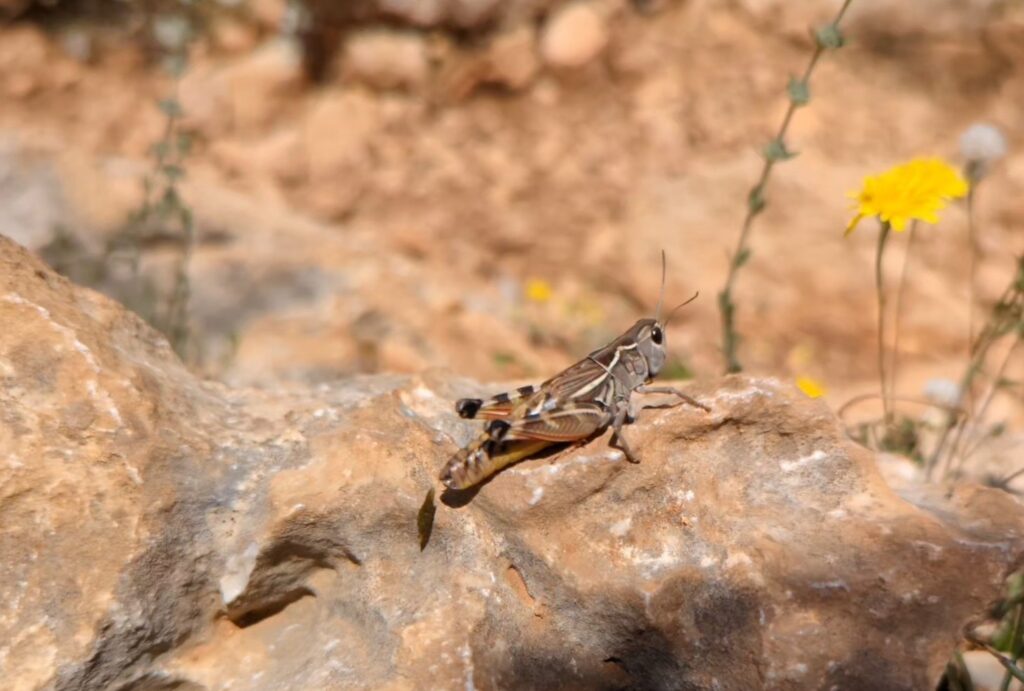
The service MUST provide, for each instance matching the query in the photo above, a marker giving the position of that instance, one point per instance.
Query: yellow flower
(915, 190)
(538, 290)
(811, 387)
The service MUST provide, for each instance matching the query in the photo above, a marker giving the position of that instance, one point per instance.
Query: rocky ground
(230, 537)
(470, 191)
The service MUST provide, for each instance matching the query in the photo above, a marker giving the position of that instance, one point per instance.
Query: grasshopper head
(649, 336)
(651, 341)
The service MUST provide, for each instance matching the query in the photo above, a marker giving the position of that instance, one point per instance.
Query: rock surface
(159, 531)
(573, 36)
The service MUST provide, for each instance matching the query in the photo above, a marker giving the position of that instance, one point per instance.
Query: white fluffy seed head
(981, 145)
(944, 392)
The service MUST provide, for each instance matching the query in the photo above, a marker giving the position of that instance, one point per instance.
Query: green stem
(883, 236)
(1015, 646)
(978, 417)
(994, 328)
(894, 362)
(1011, 669)
(972, 263)
(726, 306)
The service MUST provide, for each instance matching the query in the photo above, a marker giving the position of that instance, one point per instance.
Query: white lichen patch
(836, 584)
(133, 472)
(748, 394)
(620, 528)
(934, 551)
(237, 570)
(813, 457)
(651, 563)
(738, 559)
(684, 496)
(467, 660)
(707, 561)
(423, 393)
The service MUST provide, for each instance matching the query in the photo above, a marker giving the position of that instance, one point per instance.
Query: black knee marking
(497, 429)
(468, 407)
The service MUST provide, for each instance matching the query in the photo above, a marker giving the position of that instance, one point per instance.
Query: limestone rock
(248, 93)
(464, 13)
(164, 532)
(513, 58)
(386, 59)
(573, 36)
(31, 198)
(337, 133)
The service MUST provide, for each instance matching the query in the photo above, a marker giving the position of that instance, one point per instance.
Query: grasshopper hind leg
(467, 408)
(493, 408)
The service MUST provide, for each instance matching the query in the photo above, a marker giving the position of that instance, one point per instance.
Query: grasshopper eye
(657, 336)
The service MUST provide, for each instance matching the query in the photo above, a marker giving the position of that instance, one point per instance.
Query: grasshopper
(572, 406)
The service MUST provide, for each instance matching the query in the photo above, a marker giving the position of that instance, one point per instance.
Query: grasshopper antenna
(676, 308)
(661, 294)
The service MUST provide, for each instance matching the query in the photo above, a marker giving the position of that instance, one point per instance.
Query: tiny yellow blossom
(538, 290)
(915, 190)
(588, 311)
(811, 387)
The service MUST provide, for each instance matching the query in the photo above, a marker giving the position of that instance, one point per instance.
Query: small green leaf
(159, 150)
(169, 203)
(725, 303)
(170, 107)
(172, 172)
(743, 257)
(799, 91)
(829, 37)
(503, 359)
(175, 64)
(776, 150)
(184, 143)
(756, 201)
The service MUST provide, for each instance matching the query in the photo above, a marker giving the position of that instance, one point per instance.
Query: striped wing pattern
(570, 406)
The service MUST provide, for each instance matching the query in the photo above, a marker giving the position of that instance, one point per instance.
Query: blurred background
(295, 191)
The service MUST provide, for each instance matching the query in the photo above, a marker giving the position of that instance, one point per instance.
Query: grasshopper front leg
(618, 441)
(673, 391)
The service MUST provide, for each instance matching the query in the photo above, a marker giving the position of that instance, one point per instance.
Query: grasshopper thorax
(649, 337)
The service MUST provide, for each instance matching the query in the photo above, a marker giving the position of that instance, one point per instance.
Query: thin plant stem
(1015, 640)
(727, 308)
(993, 329)
(972, 278)
(1011, 669)
(902, 399)
(1012, 476)
(178, 307)
(894, 362)
(883, 236)
(979, 416)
